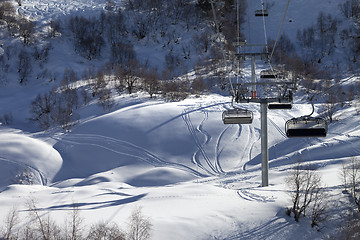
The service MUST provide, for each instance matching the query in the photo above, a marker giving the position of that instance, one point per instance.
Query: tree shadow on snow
(95, 205)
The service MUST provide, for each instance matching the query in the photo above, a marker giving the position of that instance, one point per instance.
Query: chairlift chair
(306, 126)
(237, 116)
(269, 74)
(261, 13)
(275, 106)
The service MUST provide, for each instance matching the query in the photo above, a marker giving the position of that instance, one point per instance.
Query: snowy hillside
(193, 176)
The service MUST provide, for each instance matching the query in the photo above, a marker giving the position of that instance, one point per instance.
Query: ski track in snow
(123, 148)
(278, 128)
(200, 146)
(246, 154)
(41, 175)
(248, 195)
(254, 141)
(218, 151)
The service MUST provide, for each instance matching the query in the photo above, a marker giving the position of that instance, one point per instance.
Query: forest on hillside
(110, 44)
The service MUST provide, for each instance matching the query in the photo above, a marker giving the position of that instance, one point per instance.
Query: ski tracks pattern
(123, 148)
(41, 175)
(248, 195)
(193, 131)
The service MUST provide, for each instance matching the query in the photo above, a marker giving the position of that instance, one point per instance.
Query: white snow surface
(193, 176)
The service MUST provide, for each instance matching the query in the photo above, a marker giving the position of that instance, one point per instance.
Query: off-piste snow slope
(195, 177)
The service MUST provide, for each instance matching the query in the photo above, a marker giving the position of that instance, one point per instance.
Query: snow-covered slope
(21, 153)
(195, 177)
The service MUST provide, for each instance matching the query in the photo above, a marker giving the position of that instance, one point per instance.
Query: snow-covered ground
(195, 177)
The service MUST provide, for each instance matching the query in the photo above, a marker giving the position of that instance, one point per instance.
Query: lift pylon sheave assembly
(284, 95)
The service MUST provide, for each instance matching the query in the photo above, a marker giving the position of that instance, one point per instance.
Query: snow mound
(20, 153)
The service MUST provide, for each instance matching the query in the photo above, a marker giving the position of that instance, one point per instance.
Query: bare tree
(6, 10)
(343, 174)
(44, 228)
(128, 75)
(11, 220)
(24, 66)
(353, 175)
(73, 229)
(330, 108)
(140, 226)
(26, 29)
(319, 207)
(54, 27)
(151, 81)
(304, 187)
(106, 99)
(41, 109)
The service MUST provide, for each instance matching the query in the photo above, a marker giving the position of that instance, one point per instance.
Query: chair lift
(261, 13)
(279, 105)
(282, 105)
(306, 126)
(237, 116)
(269, 74)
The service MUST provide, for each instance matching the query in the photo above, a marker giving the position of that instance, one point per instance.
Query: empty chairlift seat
(276, 105)
(306, 127)
(261, 13)
(237, 116)
(269, 74)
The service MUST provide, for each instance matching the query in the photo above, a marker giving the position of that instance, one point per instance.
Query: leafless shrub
(73, 228)
(349, 230)
(7, 118)
(12, 219)
(151, 81)
(319, 207)
(357, 107)
(43, 227)
(350, 174)
(198, 85)
(54, 28)
(139, 226)
(26, 30)
(174, 90)
(106, 232)
(106, 99)
(329, 109)
(24, 66)
(24, 176)
(305, 192)
(6, 10)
